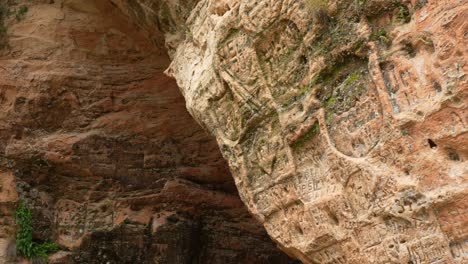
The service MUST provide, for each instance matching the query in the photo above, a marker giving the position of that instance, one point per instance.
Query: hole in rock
(303, 60)
(432, 144)
(437, 87)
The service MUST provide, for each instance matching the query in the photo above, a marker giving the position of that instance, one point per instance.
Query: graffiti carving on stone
(345, 122)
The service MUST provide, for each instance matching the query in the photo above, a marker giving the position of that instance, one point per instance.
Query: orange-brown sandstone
(344, 125)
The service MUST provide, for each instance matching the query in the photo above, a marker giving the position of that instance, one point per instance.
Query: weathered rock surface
(344, 122)
(96, 139)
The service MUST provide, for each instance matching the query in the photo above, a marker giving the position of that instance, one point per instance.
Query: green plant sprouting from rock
(25, 245)
(382, 36)
(404, 14)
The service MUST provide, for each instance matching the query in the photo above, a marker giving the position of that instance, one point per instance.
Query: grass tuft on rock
(25, 245)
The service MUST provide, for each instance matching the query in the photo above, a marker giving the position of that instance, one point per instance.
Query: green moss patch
(313, 131)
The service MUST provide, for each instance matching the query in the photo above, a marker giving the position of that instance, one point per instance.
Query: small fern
(25, 245)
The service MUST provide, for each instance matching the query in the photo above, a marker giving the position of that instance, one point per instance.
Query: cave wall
(97, 141)
(344, 123)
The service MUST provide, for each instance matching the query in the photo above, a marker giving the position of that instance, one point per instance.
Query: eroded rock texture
(97, 141)
(344, 122)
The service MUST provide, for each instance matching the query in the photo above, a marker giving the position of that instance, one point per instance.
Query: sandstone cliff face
(96, 139)
(344, 122)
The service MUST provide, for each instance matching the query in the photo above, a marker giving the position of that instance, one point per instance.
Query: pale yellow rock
(346, 134)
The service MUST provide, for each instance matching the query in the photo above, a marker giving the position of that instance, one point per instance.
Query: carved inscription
(453, 220)
(331, 255)
(316, 182)
(429, 250)
(282, 61)
(354, 115)
(360, 190)
(257, 15)
(459, 249)
(283, 194)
